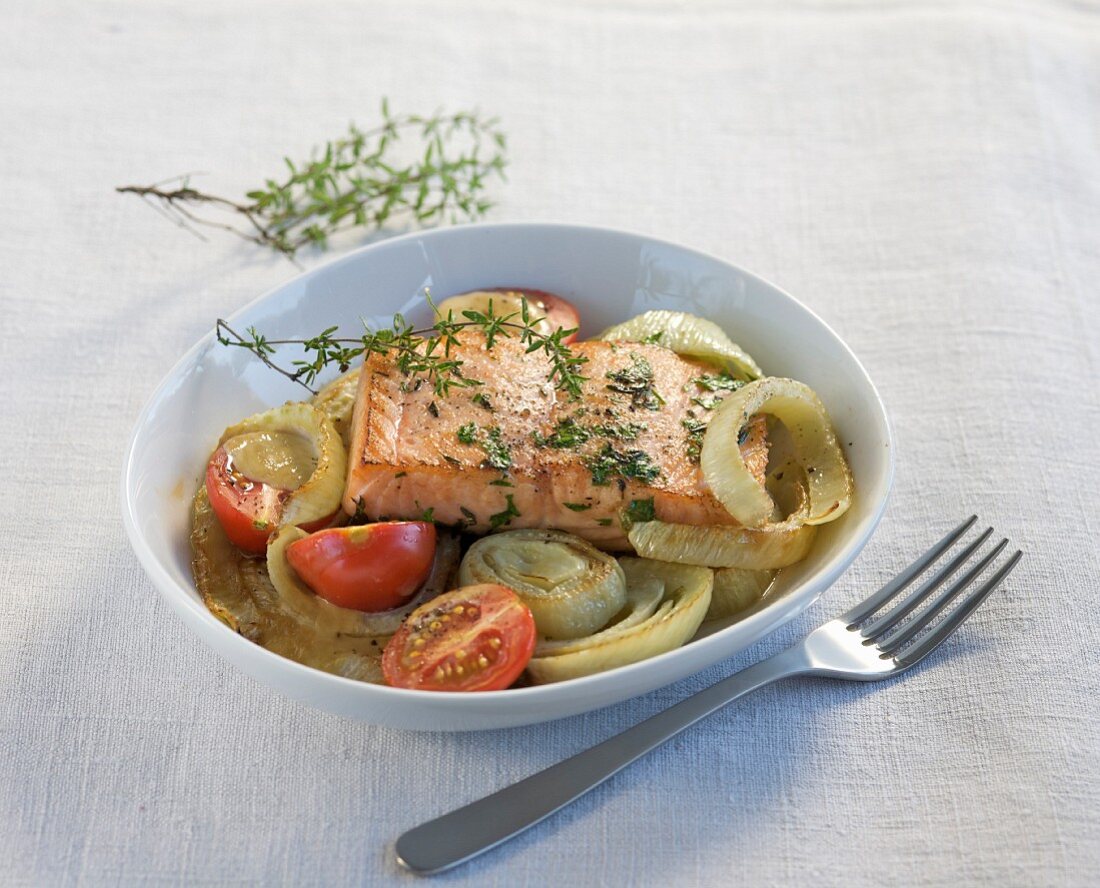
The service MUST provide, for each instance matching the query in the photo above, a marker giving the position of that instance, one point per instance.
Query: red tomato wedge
(477, 638)
(370, 567)
(248, 510)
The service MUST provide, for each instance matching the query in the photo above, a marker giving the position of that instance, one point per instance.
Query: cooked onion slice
(724, 545)
(736, 589)
(337, 400)
(320, 495)
(688, 335)
(828, 480)
(571, 587)
(665, 605)
(309, 610)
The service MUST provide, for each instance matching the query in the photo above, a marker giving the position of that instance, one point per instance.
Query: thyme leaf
(425, 352)
(361, 180)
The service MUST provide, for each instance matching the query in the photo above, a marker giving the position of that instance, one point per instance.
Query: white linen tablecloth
(925, 175)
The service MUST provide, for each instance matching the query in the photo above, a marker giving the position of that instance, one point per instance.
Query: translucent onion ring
(644, 630)
(322, 492)
(828, 479)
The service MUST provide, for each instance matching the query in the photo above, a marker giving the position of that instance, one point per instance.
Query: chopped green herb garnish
(653, 338)
(625, 431)
(707, 403)
(452, 460)
(482, 401)
(641, 510)
(500, 519)
(471, 518)
(609, 463)
(360, 511)
(261, 525)
(637, 382)
(567, 434)
(577, 507)
(427, 515)
(501, 482)
(492, 442)
(400, 475)
(695, 429)
(718, 382)
(603, 522)
(496, 452)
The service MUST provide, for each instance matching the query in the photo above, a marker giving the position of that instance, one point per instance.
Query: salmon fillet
(514, 452)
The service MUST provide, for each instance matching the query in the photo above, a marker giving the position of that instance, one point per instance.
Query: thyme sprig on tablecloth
(362, 180)
(426, 352)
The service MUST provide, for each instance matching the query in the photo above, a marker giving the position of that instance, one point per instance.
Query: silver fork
(858, 646)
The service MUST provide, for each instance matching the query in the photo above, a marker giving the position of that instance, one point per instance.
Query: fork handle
(468, 831)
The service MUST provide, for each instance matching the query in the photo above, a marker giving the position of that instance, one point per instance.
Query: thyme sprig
(426, 352)
(361, 180)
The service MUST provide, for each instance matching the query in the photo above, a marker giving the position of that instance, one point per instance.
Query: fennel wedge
(665, 605)
(689, 335)
(736, 589)
(724, 545)
(571, 587)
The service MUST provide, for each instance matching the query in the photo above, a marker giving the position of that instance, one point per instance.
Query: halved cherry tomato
(559, 312)
(248, 510)
(370, 567)
(477, 638)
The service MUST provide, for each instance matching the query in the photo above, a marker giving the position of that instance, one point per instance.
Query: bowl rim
(177, 594)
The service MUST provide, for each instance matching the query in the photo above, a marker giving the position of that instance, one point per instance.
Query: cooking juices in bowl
(490, 500)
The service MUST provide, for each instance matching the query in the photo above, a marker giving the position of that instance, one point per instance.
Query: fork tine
(864, 609)
(970, 604)
(900, 637)
(917, 596)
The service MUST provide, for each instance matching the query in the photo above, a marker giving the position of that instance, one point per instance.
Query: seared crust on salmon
(514, 452)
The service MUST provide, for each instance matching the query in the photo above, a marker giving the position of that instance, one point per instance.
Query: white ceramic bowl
(610, 276)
